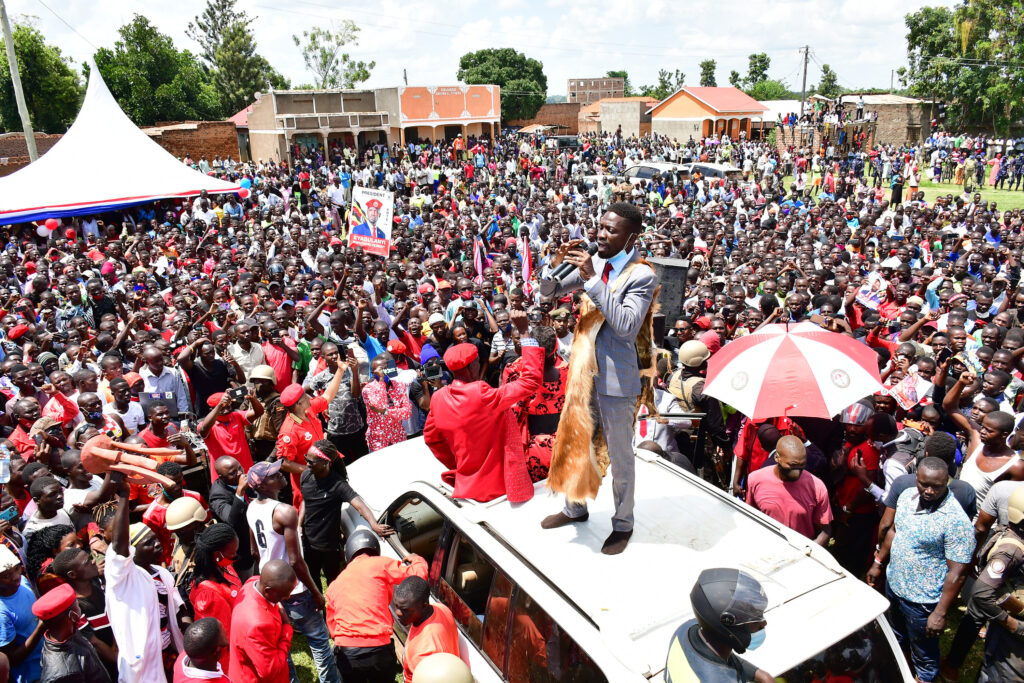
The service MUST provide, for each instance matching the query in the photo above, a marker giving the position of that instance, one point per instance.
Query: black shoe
(561, 519)
(616, 542)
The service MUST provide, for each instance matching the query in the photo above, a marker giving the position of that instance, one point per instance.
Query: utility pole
(19, 95)
(892, 79)
(806, 49)
(405, 77)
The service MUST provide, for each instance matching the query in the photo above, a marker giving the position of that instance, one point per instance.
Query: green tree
(521, 78)
(53, 90)
(322, 53)
(769, 90)
(240, 71)
(828, 86)
(707, 73)
(735, 80)
(208, 28)
(668, 83)
(154, 81)
(627, 87)
(757, 69)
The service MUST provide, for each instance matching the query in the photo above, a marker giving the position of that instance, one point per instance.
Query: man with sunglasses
(791, 495)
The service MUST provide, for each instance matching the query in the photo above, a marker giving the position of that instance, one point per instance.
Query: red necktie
(607, 272)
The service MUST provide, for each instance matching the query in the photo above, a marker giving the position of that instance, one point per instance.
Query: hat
(42, 424)
(291, 395)
(17, 331)
(510, 242)
(460, 356)
(856, 414)
(288, 302)
(69, 233)
(395, 346)
(711, 340)
(130, 377)
(259, 472)
(703, 322)
(559, 313)
(916, 300)
(213, 399)
(435, 318)
(8, 560)
(444, 284)
(55, 602)
(425, 288)
(259, 372)
(693, 353)
(138, 532)
(374, 204)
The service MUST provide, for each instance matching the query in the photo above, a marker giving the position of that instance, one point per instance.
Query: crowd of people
(243, 344)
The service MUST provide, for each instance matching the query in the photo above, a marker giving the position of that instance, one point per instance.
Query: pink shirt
(279, 360)
(797, 504)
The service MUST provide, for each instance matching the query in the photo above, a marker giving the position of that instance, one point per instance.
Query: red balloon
(52, 223)
(243, 193)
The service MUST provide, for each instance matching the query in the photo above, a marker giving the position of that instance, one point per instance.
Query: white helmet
(442, 667)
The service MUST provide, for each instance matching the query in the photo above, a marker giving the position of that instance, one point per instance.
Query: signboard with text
(370, 220)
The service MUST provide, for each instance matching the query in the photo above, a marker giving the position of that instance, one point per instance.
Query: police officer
(1002, 579)
(728, 607)
(687, 385)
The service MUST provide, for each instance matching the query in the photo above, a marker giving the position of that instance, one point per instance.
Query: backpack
(909, 449)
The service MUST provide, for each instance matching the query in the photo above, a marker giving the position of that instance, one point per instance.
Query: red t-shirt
(295, 438)
(797, 504)
(851, 485)
(437, 634)
(279, 360)
(227, 437)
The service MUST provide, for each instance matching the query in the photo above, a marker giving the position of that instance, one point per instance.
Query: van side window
(464, 586)
(541, 652)
(417, 526)
(496, 621)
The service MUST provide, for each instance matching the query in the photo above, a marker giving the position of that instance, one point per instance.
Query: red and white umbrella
(795, 369)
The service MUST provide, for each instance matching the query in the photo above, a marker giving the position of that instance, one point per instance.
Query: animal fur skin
(579, 458)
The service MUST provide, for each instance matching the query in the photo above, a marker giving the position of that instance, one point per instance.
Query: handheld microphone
(564, 269)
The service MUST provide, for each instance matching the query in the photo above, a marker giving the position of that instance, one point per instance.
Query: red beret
(57, 601)
(460, 356)
(213, 399)
(374, 204)
(425, 288)
(69, 233)
(291, 395)
(17, 331)
(395, 346)
(703, 322)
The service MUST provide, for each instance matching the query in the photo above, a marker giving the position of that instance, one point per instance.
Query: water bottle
(5, 464)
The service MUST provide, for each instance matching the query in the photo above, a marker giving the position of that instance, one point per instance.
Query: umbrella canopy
(791, 369)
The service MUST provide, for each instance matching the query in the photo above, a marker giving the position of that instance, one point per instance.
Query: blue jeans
(908, 621)
(308, 621)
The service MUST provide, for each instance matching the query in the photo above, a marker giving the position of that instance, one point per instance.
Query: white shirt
(618, 262)
(133, 418)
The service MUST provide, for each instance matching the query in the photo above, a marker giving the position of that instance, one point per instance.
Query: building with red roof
(703, 112)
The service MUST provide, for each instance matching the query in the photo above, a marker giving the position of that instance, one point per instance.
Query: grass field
(1005, 199)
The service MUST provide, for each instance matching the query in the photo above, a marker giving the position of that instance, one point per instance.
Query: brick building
(14, 152)
(564, 116)
(901, 120)
(197, 139)
(589, 90)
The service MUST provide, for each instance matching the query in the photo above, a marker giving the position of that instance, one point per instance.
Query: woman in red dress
(215, 585)
(538, 416)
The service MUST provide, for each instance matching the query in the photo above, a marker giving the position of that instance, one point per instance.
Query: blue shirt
(16, 624)
(925, 539)
(618, 262)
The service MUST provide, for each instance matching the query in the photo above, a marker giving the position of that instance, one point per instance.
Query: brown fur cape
(579, 459)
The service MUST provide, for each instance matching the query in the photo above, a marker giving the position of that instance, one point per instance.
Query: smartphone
(432, 372)
(392, 370)
(238, 393)
(9, 514)
(944, 355)
(225, 307)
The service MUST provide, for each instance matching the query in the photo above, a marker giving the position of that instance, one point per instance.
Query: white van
(543, 606)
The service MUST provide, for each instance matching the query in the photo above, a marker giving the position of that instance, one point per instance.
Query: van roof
(682, 526)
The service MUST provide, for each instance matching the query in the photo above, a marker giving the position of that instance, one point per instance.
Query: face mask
(94, 417)
(224, 561)
(168, 495)
(466, 295)
(756, 640)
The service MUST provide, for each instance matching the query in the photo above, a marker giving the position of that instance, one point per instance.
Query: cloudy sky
(861, 41)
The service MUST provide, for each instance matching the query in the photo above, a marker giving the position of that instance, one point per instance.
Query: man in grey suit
(617, 384)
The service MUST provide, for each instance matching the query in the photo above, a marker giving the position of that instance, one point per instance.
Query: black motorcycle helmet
(724, 601)
(361, 541)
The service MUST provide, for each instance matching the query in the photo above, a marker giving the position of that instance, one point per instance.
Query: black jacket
(229, 509)
(73, 661)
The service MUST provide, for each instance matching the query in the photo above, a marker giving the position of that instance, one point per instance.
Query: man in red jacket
(466, 425)
(261, 636)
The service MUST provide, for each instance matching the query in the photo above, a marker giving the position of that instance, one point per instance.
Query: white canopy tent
(103, 162)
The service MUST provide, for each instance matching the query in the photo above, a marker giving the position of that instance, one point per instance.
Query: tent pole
(19, 95)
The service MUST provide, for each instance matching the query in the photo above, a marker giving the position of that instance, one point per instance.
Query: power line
(63, 21)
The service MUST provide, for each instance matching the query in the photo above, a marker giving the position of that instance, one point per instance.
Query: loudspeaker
(671, 274)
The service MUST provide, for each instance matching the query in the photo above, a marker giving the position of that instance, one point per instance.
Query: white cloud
(582, 38)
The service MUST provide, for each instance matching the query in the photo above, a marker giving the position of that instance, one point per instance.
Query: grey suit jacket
(624, 311)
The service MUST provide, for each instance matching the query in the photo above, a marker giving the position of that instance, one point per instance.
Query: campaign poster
(872, 293)
(910, 391)
(370, 220)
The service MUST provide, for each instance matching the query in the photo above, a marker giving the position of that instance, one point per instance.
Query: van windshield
(864, 656)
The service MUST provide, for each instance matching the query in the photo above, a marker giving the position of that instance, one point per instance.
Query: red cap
(712, 341)
(17, 331)
(213, 399)
(291, 395)
(395, 346)
(460, 356)
(374, 204)
(425, 288)
(132, 378)
(703, 322)
(55, 603)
